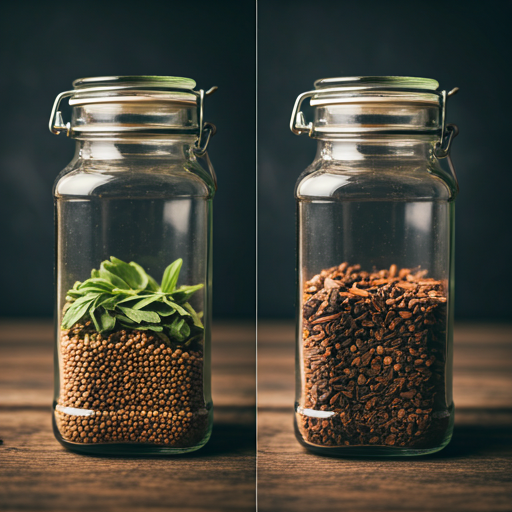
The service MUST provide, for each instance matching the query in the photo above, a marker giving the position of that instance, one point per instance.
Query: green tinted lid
(161, 82)
(378, 82)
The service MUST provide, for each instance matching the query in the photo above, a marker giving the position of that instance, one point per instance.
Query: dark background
(463, 44)
(44, 46)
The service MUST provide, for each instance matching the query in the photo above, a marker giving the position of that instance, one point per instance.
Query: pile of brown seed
(374, 347)
(129, 388)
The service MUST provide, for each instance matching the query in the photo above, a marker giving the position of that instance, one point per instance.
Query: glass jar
(375, 215)
(133, 268)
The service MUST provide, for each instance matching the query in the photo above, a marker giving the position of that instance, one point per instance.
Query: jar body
(375, 292)
(132, 386)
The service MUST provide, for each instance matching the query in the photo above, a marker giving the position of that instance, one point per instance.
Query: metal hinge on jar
(360, 90)
(299, 125)
(205, 130)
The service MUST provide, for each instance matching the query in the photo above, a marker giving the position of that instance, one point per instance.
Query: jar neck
(376, 148)
(176, 147)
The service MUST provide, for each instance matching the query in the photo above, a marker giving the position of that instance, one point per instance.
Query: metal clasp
(448, 133)
(57, 124)
(207, 132)
(443, 146)
(444, 99)
(442, 149)
(209, 128)
(298, 122)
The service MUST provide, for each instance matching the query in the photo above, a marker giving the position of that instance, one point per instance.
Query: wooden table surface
(36, 473)
(474, 473)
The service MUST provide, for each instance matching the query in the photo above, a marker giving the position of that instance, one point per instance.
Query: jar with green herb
(133, 268)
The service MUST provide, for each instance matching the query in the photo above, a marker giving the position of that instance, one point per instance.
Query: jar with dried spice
(133, 268)
(375, 268)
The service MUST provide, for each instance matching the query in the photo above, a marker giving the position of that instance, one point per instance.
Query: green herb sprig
(123, 295)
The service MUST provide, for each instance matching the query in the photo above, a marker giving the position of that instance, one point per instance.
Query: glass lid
(132, 88)
(146, 81)
(378, 82)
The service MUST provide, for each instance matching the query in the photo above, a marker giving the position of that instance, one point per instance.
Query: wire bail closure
(448, 131)
(299, 125)
(57, 124)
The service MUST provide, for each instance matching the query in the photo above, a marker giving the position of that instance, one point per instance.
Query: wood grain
(474, 473)
(36, 473)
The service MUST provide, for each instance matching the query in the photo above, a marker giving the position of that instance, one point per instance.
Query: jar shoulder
(82, 178)
(399, 181)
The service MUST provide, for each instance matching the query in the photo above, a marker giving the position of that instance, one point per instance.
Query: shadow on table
(478, 439)
(229, 439)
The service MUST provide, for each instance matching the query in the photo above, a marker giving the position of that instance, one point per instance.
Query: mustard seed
(135, 395)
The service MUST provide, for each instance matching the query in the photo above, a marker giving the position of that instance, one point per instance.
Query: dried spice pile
(137, 389)
(374, 355)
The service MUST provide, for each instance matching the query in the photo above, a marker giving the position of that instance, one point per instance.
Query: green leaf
(145, 301)
(194, 315)
(171, 275)
(198, 338)
(162, 308)
(128, 273)
(92, 289)
(140, 316)
(96, 282)
(164, 337)
(177, 307)
(179, 329)
(185, 330)
(74, 294)
(124, 320)
(183, 293)
(114, 279)
(101, 297)
(77, 311)
(175, 329)
(107, 322)
(134, 298)
(125, 295)
(152, 284)
(155, 328)
(142, 273)
(94, 321)
(126, 326)
(126, 291)
(111, 302)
